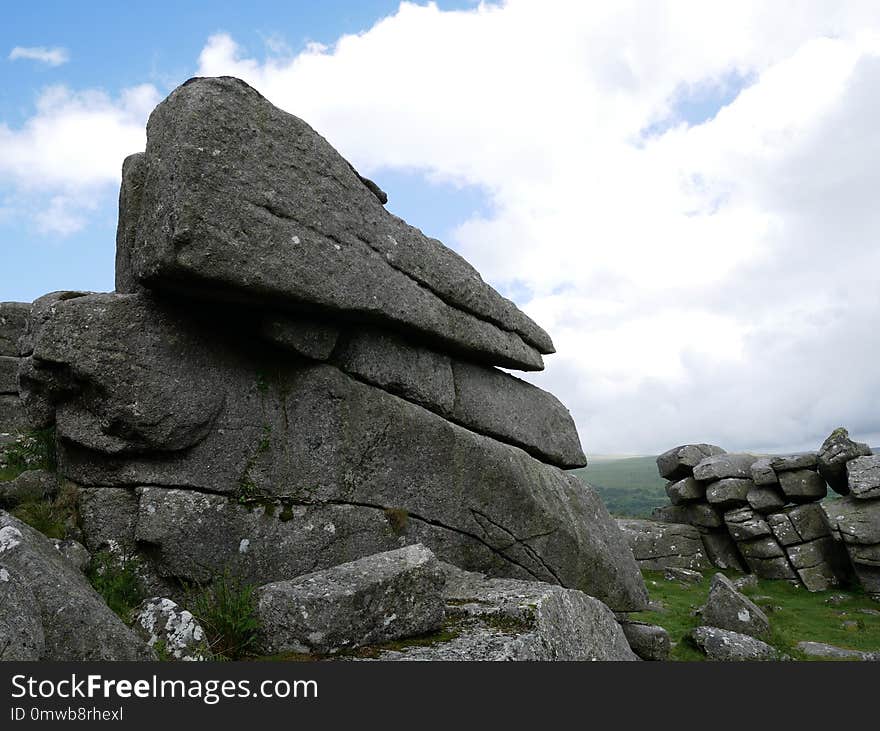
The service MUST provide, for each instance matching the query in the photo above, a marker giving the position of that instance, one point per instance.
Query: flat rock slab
(729, 492)
(506, 619)
(863, 476)
(802, 486)
(77, 624)
(679, 462)
(835, 452)
(387, 596)
(685, 490)
(242, 201)
(765, 498)
(831, 652)
(727, 646)
(658, 546)
(183, 404)
(745, 524)
(721, 466)
(727, 608)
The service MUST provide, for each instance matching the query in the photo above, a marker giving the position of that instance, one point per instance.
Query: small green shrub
(115, 578)
(31, 451)
(226, 609)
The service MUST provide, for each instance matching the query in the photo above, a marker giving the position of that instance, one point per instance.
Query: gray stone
(308, 337)
(685, 490)
(728, 646)
(799, 461)
(760, 548)
(857, 523)
(721, 466)
(749, 581)
(685, 576)
(729, 492)
(505, 619)
(820, 577)
(727, 608)
(658, 546)
(763, 473)
(21, 626)
(206, 414)
(515, 412)
(411, 371)
(131, 192)
(812, 553)
(77, 624)
(721, 549)
(863, 475)
(162, 622)
(835, 452)
(783, 530)
(648, 641)
(232, 182)
(109, 517)
(809, 521)
(801, 486)
(772, 568)
(9, 374)
(704, 515)
(824, 651)
(29, 486)
(376, 599)
(745, 524)
(14, 417)
(765, 499)
(671, 514)
(485, 400)
(73, 551)
(679, 462)
(13, 319)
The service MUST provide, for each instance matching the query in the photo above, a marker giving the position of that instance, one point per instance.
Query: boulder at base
(728, 646)
(727, 608)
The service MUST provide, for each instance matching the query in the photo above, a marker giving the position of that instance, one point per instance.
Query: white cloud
(71, 150)
(710, 282)
(49, 56)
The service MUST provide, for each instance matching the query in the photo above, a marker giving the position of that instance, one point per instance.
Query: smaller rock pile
(764, 513)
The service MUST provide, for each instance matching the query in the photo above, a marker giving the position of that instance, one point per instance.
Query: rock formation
(289, 378)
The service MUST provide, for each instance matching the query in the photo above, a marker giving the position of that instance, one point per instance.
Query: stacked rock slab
(855, 519)
(13, 320)
(769, 507)
(691, 505)
(289, 377)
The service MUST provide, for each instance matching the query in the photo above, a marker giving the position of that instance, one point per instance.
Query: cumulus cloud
(49, 56)
(71, 151)
(702, 280)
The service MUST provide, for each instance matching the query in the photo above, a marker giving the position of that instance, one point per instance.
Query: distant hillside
(629, 486)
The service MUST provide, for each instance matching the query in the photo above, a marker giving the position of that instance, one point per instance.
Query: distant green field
(630, 486)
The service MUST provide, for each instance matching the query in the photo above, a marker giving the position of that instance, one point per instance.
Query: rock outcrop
(289, 377)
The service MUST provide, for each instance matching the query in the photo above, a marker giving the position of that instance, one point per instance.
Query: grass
(52, 517)
(630, 487)
(795, 615)
(115, 578)
(226, 609)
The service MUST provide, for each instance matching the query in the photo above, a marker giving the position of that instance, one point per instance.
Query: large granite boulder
(187, 401)
(506, 619)
(721, 466)
(77, 624)
(835, 452)
(387, 596)
(728, 646)
(863, 477)
(856, 523)
(229, 182)
(727, 608)
(657, 546)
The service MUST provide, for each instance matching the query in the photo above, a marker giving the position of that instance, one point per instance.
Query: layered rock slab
(180, 402)
(229, 182)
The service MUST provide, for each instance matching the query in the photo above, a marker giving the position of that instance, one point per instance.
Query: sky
(681, 193)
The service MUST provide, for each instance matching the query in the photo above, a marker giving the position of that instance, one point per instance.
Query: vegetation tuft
(29, 451)
(115, 578)
(54, 518)
(226, 609)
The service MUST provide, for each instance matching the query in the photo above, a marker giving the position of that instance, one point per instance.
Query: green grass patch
(115, 578)
(795, 614)
(226, 609)
(54, 518)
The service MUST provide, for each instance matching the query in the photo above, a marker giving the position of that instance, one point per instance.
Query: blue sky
(658, 183)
